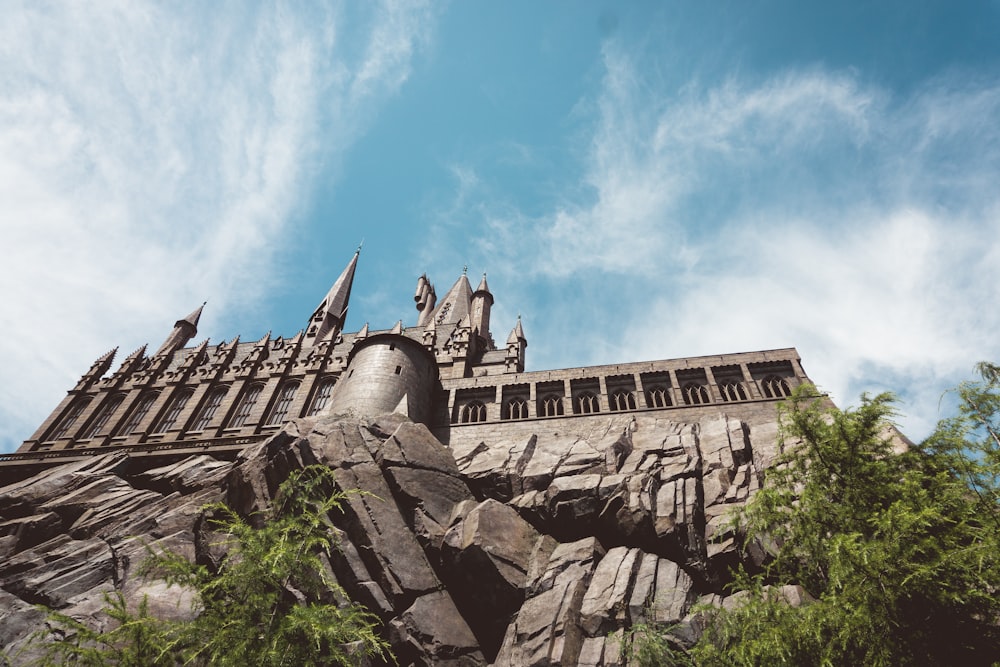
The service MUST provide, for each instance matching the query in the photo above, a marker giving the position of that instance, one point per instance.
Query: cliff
(535, 551)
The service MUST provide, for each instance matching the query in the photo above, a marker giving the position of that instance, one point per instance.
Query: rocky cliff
(539, 551)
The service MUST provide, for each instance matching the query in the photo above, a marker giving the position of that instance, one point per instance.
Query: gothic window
(209, 409)
(280, 412)
(322, 396)
(585, 403)
(658, 397)
(246, 405)
(139, 413)
(733, 391)
(474, 412)
(515, 408)
(622, 400)
(74, 413)
(552, 406)
(775, 387)
(103, 416)
(694, 393)
(170, 418)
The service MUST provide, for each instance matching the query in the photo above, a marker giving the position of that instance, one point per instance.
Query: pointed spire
(518, 332)
(363, 333)
(456, 303)
(184, 330)
(332, 311)
(398, 329)
(483, 287)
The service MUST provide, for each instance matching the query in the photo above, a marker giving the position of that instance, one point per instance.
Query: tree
(901, 551)
(271, 601)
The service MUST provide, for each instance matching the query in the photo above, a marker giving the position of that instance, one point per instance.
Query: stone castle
(445, 372)
(509, 518)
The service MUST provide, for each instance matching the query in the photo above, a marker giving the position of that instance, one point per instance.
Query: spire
(516, 342)
(456, 303)
(184, 330)
(483, 287)
(332, 311)
(517, 334)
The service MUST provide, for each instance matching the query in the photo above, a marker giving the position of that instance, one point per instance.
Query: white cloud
(152, 157)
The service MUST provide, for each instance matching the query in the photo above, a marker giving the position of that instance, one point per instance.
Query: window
(104, 415)
(280, 412)
(694, 393)
(169, 419)
(775, 387)
(139, 413)
(74, 413)
(246, 405)
(658, 397)
(209, 409)
(322, 396)
(586, 403)
(474, 412)
(552, 406)
(515, 408)
(733, 391)
(622, 400)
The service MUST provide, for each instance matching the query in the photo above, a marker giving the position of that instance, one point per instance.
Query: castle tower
(482, 301)
(516, 342)
(426, 298)
(184, 330)
(328, 319)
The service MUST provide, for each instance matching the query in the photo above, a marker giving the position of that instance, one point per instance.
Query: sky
(639, 180)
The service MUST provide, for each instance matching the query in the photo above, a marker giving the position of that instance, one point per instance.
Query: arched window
(658, 397)
(139, 413)
(515, 408)
(585, 403)
(103, 416)
(246, 405)
(474, 411)
(280, 412)
(552, 406)
(170, 418)
(694, 393)
(74, 413)
(733, 391)
(322, 397)
(775, 387)
(209, 409)
(621, 400)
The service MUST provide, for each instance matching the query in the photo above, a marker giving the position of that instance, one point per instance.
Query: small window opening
(399, 369)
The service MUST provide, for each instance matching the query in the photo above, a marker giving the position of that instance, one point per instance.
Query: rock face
(541, 551)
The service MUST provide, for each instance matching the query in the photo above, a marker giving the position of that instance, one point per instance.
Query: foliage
(270, 602)
(900, 551)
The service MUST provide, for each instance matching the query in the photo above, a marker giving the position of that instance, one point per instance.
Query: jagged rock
(540, 549)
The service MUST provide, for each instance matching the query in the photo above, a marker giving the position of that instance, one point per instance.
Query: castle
(446, 372)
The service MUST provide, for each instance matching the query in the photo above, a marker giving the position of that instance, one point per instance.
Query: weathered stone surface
(540, 548)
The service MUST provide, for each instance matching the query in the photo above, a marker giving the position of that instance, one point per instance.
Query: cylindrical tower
(387, 373)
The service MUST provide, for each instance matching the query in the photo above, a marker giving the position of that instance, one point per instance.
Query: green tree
(270, 602)
(901, 551)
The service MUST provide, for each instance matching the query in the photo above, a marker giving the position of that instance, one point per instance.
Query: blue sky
(640, 181)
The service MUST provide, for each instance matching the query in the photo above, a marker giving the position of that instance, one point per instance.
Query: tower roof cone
(332, 311)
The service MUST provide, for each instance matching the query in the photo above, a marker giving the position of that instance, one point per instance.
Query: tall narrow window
(103, 416)
(658, 397)
(139, 413)
(209, 409)
(473, 412)
(552, 406)
(585, 403)
(74, 413)
(322, 397)
(170, 418)
(775, 387)
(516, 408)
(733, 391)
(280, 412)
(246, 405)
(694, 393)
(622, 400)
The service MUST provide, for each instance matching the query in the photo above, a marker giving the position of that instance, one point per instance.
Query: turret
(426, 298)
(482, 301)
(328, 319)
(516, 343)
(184, 330)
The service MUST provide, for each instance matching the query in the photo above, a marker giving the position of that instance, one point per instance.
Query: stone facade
(446, 372)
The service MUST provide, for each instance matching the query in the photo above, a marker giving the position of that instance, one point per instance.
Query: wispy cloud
(808, 208)
(151, 157)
